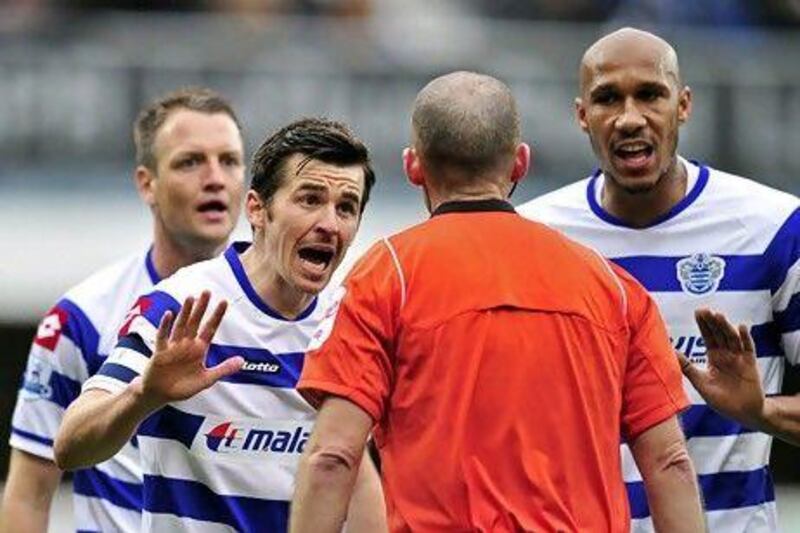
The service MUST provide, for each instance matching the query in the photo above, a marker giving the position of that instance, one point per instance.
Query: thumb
(223, 370)
(692, 373)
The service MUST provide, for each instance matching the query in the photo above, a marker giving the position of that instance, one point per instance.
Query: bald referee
(499, 363)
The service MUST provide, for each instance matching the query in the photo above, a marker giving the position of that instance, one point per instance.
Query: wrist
(769, 413)
(142, 401)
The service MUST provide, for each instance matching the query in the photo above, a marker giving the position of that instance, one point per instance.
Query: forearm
(673, 496)
(367, 511)
(781, 418)
(325, 483)
(29, 489)
(98, 424)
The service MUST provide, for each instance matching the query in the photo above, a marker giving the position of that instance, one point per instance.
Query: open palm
(731, 383)
(177, 369)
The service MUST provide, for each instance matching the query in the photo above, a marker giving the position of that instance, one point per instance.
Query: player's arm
(367, 511)
(669, 478)
(31, 483)
(99, 422)
(731, 383)
(329, 468)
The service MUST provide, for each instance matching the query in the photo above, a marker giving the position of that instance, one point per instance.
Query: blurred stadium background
(74, 73)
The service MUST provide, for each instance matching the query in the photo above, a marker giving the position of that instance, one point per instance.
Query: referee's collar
(474, 206)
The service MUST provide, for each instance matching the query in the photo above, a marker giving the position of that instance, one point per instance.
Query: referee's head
(466, 138)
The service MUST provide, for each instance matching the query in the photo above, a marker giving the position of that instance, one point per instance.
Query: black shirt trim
(474, 206)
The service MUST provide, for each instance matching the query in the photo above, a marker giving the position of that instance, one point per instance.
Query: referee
(499, 363)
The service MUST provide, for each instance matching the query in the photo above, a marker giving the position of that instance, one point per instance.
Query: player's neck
(279, 295)
(169, 254)
(481, 191)
(640, 209)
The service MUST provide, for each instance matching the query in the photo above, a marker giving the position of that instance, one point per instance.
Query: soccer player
(190, 172)
(500, 361)
(220, 443)
(695, 237)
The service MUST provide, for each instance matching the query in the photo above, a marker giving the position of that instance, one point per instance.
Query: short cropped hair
(325, 140)
(152, 117)
(465, 121)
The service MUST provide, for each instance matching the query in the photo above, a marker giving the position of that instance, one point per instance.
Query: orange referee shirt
(502, 364)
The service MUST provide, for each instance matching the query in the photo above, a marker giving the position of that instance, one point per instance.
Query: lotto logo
(50, 328)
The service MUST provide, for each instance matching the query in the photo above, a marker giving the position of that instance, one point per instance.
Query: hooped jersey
(226, 458)
(732, 245)
(70, 345)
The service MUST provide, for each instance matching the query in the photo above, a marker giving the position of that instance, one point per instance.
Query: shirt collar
(474, 206)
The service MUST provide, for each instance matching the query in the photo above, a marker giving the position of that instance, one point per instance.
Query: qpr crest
(701, 273)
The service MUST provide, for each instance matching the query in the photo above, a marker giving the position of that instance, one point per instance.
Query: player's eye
(348, 208)
(230, 161)
(605, 97)
(310, 199)
(188, 162)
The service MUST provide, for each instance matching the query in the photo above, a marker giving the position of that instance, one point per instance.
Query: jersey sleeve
(61, 356)
(136, 343)
(351, 354)
(653, 384)
(784, 255)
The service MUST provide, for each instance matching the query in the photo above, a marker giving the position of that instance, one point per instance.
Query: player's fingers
(692, 373)
(193, 323)
(727, 332)
(714, 329)
(164, 327)
(211, 325)
(747, 340)
(179, 329)
(224, 369)
(700, 317)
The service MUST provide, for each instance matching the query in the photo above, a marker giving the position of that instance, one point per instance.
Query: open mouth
(634, 154)
(213, 206)
(318, 258)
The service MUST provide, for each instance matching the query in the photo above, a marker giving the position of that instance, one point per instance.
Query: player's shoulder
(556, 204)
(192, 279)
(104, 285)
(748, 198)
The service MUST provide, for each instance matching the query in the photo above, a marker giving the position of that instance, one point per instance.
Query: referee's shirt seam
(399, 269)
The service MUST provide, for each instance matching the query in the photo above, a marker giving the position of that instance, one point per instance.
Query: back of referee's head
(465, 132)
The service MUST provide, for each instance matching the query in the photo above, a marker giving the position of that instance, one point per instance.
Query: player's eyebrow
(603, 90)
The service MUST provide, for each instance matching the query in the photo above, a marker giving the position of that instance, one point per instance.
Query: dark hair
(152, 117)
(465, 121)
(328, 141)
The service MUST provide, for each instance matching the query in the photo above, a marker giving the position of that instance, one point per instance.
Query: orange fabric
(502, 364)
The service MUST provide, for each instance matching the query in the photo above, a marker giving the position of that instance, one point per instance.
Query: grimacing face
(631, 107)
(199, 180)
(311, 221)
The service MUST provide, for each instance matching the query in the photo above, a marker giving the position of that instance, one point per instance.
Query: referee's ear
(522, 162)
(413, 167)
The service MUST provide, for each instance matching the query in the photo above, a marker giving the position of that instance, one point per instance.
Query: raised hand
(177, 368)
(731, 383)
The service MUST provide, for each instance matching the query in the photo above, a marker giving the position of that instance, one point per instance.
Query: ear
(522, 162)
(684, 105)
(413, 167)
(146, 184)
(255, 210)
(580, 114)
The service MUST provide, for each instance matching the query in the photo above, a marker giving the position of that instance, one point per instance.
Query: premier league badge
(700, 274)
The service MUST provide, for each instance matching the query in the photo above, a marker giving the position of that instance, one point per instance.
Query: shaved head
(629, 44)
(465, 121)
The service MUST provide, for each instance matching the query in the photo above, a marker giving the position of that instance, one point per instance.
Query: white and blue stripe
(69, 348)
(755, 230)
(226, 458)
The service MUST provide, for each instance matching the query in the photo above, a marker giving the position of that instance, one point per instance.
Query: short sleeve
(351, 354)
(653, 384)
(135, 345)
(61, 356)
(784, 256)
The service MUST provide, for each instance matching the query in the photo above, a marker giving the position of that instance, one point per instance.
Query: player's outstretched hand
(731, 383)
(177, 369)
